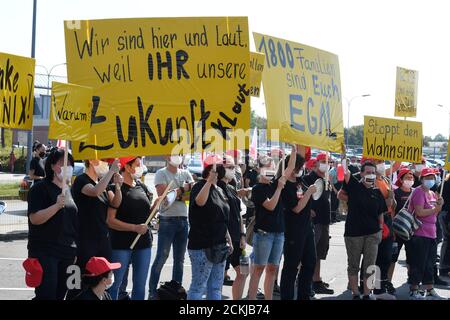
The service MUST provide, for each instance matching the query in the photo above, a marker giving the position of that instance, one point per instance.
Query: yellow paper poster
(256, 70)
(70, 112)
(302, 91)
(16, 91)
(161, 85)
(392, 139)
(406, 93)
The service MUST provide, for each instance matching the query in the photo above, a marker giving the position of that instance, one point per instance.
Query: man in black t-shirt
(363, 225)
(37, 172)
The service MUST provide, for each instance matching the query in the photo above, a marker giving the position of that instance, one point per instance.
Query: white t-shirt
(164, 176)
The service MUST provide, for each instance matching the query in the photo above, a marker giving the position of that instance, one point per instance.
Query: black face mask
(41, 154)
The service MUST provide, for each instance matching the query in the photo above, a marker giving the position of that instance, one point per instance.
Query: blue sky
(370, 37)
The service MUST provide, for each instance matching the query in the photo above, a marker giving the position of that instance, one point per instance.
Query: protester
(268, 237)
(335, 186)
(299, 234)
(363, 225)
(235, 226)
(384, 289)
(422, 246)
(405, 181)
(173, 224)
(354, 166)
(417, 168)
(321, 219)
(208, 236)
(126, 222)
(52, 223)
(99, 277)
(93, 199)
(37, 171)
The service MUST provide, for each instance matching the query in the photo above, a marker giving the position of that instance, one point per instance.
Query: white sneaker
(385, 296)
(433, 295)
(416, 295)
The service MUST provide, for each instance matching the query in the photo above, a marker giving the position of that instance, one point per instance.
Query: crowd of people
(289, 207)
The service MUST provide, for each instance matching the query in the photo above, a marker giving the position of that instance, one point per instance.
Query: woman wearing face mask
(99, 277)
(405, 181)
(52, 223)
(93, 199)
(299, 246)
(422, 250)
(235, 226)
(37, 171)
(209, 212)
(268, 237)
(126, 222)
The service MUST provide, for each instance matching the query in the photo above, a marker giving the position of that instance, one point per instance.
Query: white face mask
(111, 283)
(323, 167)
(370, 178)
(175, 161)
(438, 179)
(381, 168)
(268, 173)
(229, 174)
(69, 173)
(138, 172)
(408, 183)
(101, 169)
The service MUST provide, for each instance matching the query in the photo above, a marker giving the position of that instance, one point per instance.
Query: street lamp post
(349, 102)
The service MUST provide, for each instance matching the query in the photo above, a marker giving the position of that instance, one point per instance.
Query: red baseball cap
(365, 159)
(211, 159)
(310, 163)
(427, 172)
(123, 161)
(33, 272)
(322, 156)
(99, 265)
(400, 175)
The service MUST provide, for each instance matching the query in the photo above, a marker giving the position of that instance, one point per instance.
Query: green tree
(440, 138)
(355, 135)
(426, 141)
(257, 121)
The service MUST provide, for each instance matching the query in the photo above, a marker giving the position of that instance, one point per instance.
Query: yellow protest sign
(16, 91)
(256, 69)
(392, 139)
(160, 84)
(302, 91)
(406, 93)
(70, 112)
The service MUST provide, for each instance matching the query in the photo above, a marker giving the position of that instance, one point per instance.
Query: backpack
(405, 223)
(171, 290)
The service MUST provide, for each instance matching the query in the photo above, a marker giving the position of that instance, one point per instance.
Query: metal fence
(13, 211)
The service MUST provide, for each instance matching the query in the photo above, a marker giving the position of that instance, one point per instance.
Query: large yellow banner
(256, 70)
(392, 139)
(447, 159)
(70, 112)
(302, 91)
(16, 91)
(161, 85)
(406, 93)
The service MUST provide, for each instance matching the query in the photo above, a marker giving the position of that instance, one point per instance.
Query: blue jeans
(140, 261)
(172, 231)
(206, 276)
(267, 248)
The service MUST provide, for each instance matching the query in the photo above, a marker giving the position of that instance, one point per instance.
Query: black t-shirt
(37, 165)
(92, 211)
(134, 209)
(89, 295)
(252, 175)
(365, 205)
(322, 205)
(294, 222)
(58, 235)
(446, 197)
(400, 197)
(353, 168)
(208, 224)
(417, 182)
(234, 221)
(265, 220)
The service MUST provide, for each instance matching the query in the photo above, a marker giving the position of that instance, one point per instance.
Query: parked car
(195, 167)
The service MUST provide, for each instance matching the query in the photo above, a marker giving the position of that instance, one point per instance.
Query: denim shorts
(267, 248)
